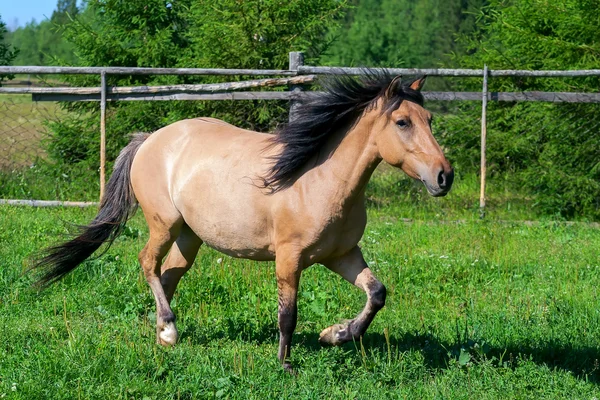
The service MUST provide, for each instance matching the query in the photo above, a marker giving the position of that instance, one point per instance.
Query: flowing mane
(318, 116)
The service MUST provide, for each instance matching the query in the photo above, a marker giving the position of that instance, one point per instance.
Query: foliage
(183, 33)
(471, 316)
(537, 34)
(7, 53)
(550, 150)
(42, 43)
(405, 33)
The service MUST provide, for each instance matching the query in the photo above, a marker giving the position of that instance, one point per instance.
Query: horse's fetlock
(378, 293)
(167, 317)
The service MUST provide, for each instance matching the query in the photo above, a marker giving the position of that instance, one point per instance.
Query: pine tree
(7, 52)
(42, 43)
(557, 161)
(402, 33)
(183, 33)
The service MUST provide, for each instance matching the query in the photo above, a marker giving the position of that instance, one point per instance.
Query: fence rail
(301, 70)
(141, 71)
(294, 77)
(448, 72)
(182, 94)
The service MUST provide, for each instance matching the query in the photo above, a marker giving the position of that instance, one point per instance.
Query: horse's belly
(237, 232)
(231, 239)
(250, 254)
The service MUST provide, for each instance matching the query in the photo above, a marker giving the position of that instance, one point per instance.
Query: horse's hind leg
(179, 261)
(354, 269)
(163, 232)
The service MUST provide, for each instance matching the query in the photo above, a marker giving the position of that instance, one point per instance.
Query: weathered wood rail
(186, 94)
(301, 70)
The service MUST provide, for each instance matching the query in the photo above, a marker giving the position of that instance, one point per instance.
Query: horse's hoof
(287, 367)
(334, 335)
(167, 336)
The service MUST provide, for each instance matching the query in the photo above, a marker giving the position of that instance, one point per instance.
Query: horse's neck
(353, 158)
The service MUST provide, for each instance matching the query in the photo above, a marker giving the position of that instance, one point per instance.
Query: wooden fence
(294, 77)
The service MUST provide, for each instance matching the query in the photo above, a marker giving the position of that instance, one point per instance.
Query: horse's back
(193, 144)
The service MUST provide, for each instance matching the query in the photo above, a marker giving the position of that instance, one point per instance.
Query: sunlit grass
(475, 310)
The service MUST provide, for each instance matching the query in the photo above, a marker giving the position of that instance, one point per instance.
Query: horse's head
(404, 137)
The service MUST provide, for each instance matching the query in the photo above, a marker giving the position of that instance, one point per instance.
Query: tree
(402, 33)
(183, 33)
(558, 160)
(43, 43)
(7, 53)
(65, 11)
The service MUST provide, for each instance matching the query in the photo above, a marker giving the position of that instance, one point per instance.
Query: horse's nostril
(441, 180)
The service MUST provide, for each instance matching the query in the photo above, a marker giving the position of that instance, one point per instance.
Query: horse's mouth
(435, 191)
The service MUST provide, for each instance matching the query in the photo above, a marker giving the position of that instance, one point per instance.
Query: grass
(475, 310)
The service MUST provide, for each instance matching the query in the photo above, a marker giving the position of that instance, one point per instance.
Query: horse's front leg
(352, 267)
(288, 270)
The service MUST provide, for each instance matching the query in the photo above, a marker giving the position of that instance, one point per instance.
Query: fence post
(296, 60)
(102, 133)
(484, 100)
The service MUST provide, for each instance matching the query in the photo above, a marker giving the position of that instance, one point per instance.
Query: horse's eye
(402, 123)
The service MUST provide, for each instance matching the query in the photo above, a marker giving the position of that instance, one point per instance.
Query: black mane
(317, 117)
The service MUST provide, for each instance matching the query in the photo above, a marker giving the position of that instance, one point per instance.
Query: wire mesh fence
(550, 150)
(22, 130)
(26, 169)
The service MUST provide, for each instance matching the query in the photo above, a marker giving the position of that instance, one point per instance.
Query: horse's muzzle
(445, 178)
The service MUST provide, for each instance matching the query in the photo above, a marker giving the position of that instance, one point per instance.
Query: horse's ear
(393, 86)
(418, 83)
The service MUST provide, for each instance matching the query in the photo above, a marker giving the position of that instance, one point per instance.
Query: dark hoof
(287, 367)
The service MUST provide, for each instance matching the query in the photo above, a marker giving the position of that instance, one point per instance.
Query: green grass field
(475, 310)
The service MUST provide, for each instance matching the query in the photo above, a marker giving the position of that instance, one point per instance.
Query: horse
(296, 197)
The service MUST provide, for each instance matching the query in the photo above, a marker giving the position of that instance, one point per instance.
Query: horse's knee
(142, 256)
(146, 262)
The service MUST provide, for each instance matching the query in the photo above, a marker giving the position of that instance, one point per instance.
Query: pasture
(474, 310)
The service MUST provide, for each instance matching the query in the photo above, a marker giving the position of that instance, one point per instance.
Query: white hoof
(334, 335)
(168, 335)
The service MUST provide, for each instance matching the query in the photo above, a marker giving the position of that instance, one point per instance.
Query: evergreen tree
(402, 33)
(7, 53)
(43, 43)
(183, 33)
(559, 159)
(65, 11)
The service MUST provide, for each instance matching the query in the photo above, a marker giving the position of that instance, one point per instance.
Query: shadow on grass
(231, 328)
(582, 362)
(438, 355)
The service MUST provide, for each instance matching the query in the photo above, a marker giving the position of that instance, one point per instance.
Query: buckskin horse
(296, 197)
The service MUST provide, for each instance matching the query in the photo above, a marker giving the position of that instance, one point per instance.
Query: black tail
(116, 207)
